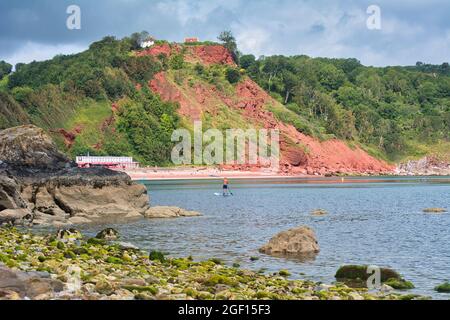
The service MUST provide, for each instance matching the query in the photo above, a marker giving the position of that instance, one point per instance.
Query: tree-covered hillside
(99, 93)
(99, 101)
(393, 110)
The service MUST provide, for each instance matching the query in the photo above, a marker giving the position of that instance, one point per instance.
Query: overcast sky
(411, 30)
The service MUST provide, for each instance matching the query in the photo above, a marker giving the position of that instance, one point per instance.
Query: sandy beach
(188, 173)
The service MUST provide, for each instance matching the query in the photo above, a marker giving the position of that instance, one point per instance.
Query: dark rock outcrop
(35, 176)
(30, 148)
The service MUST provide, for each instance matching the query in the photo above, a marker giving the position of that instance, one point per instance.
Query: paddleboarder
(225, 187)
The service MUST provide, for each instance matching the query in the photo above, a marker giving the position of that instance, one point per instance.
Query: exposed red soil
(212, 54)
(307, 155)
(156, 50)
(169, 92)
(69, 136)
(204, 54)
(300, 154)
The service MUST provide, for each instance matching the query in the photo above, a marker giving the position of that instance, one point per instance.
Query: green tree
(229, 42)
(233, 75)
(5, 69)
(246, 61)
(176, 62)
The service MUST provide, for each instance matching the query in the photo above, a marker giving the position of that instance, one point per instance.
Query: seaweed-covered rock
(443, 288)
(297, 241)
(357, 276)
(360, 272)
(69, 235)
(399, 284)
(108, 234)
(100, 271)
(169, 212)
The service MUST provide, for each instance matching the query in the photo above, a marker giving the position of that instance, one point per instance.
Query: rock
(9, 295)
(443, 288)
(355, 296)
(16, 216)
(356, 276)
(319, 212)
(133, 282)
(35, 175)
(78, 220)
(10, 197)
(26, 285)
(399, 284)
(108, 234)
(69, 235)
(104, 287)
(30, 147)
(297, 241)
(385, 288)
(430, 165)
(360, 272)
(212, 54)
(169, 212)
(434, 210)
(127, 246)
(294, 156)
(44, 202)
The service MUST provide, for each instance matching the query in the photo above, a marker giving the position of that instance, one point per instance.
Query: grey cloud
(412, 30)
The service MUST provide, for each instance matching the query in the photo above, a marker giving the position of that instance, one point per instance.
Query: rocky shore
(428, 166)
(68, 266)
(41, 186)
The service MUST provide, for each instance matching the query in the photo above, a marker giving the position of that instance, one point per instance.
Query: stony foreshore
(45, 267)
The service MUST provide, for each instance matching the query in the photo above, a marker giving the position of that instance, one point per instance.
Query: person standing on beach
(225, 186)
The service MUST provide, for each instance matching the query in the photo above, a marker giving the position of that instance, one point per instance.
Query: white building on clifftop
(147, 43)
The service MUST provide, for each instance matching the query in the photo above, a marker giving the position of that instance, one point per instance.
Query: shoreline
(71, 266)
(171, 174)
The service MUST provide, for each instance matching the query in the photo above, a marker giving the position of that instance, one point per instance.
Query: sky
(410, 30)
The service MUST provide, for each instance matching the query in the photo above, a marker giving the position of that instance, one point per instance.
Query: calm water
(377, 221)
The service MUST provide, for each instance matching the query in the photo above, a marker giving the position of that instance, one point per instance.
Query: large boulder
(169, 212)
(34, 175)
(26, 285)
(294, 242)
(87, 199)
(30, 147)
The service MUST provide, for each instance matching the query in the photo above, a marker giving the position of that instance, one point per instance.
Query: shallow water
(375, 221)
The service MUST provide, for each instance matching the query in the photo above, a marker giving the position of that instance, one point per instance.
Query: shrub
(157, 256)
(233, 75)
(176, 62)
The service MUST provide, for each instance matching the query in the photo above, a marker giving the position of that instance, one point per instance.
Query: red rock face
(69, 136)
(214, 54)
(169, 92)
(300, 154)
(156, 50)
